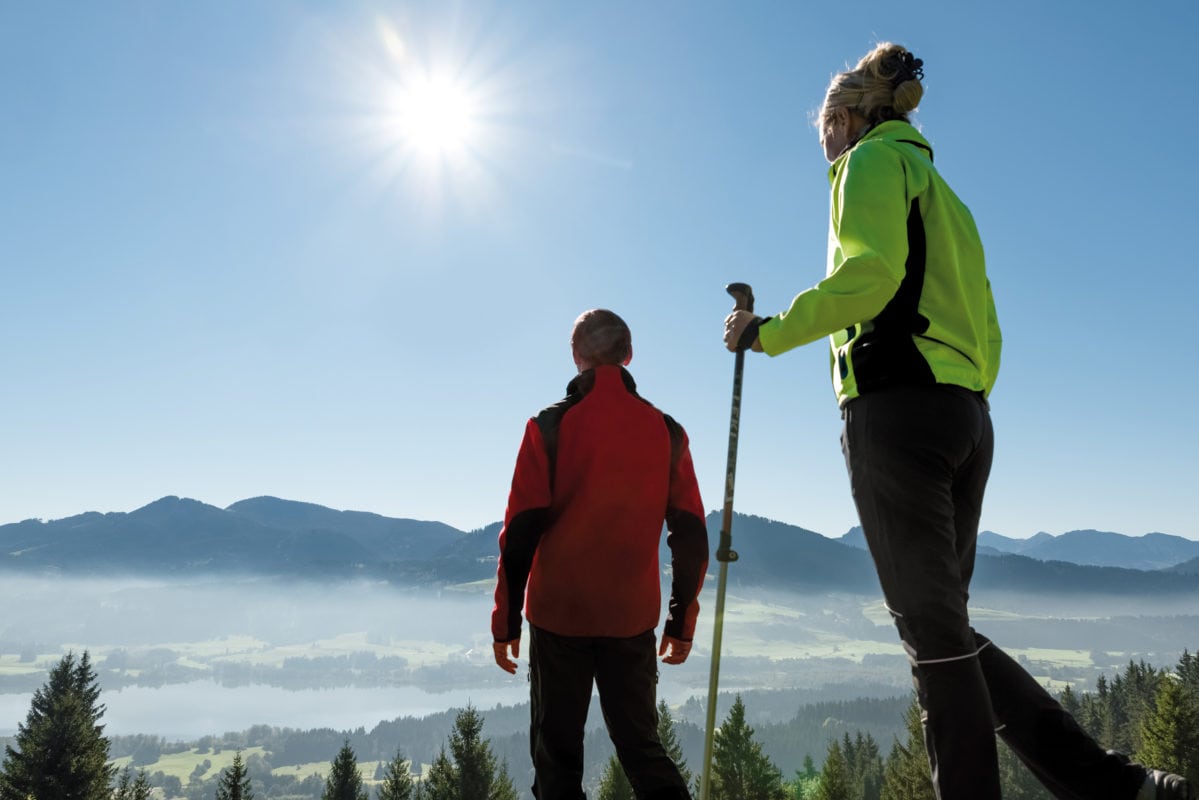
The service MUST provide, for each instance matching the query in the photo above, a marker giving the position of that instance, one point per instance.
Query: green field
(183, 765)
(11, 663)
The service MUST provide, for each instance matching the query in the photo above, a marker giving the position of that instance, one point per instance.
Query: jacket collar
(895, 131)
(605, 376)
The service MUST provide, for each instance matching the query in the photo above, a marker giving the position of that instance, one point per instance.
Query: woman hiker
(908, 309)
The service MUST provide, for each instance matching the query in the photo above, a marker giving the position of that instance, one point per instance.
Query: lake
(191, 710)
(185, 712)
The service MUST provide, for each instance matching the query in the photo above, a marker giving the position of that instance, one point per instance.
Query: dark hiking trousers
(918, 459)
(562, 670)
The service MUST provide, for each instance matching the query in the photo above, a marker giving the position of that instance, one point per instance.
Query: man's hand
(501, 654)
(678, 650)
(742, 325)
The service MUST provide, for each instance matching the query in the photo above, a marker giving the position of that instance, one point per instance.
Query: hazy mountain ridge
(260, 535)
(1151, 551)
(1186, 568)
(270, 536)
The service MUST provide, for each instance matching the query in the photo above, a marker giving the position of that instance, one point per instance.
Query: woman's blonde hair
(884, 85)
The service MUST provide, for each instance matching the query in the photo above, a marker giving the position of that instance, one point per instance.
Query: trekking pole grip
(743, 296)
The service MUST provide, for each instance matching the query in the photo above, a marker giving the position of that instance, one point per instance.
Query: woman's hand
(741, 331)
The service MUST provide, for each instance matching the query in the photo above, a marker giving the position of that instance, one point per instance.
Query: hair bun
(907, 95)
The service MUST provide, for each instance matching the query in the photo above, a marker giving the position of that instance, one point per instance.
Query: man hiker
(597, 474)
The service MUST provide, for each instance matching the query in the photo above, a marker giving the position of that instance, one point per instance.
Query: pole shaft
(724, 551)
(713, 682)
(724, 554)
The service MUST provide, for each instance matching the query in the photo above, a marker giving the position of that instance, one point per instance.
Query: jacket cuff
(750, 333)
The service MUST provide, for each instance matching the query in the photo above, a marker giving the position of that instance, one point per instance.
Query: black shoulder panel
(677, 439)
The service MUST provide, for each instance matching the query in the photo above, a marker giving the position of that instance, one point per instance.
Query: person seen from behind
(907, 306)
(597, 474)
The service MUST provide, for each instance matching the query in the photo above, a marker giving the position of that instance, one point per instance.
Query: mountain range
(1152, 551)
(268, 536)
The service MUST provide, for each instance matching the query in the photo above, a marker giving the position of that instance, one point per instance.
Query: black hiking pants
(918, 459)
(562, 670)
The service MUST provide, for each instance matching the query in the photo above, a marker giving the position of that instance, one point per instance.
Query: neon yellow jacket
(906, 297)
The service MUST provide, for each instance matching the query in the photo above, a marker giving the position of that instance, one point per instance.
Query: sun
(428, 109)
(436, 116)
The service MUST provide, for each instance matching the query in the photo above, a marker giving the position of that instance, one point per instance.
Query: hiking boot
(1161, 785)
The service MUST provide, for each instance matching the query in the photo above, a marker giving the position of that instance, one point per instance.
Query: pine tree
(472, 773)
(441, 781)
(1069, 701)
(1089, 715)
(61, 749)
(1169, 731)
(614, 785)
(740, 770)
(864, 766)
(906, 775)
(1188, 673)
(502, 787)
(670, 740)
(473, 761)
(1104, 717)
(344, 781)
(1017, 781)
(124, 785)
(834, 778)
(235, 781)
(397, 780)
(806, 781)
(1132, 698)
(130, 788)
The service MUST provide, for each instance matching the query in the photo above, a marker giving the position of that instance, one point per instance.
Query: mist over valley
(284, 625)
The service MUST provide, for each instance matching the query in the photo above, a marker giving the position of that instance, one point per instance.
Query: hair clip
(907, 68)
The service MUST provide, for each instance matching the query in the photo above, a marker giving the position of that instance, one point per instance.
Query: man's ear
(629, 357)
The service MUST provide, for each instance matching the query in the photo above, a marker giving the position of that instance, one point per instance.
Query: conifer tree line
(1151, 714)
(61, 751)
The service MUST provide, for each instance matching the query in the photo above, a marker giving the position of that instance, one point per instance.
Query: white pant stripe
(951, 658)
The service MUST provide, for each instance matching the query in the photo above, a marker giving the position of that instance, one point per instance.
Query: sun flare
(436, 116)
(430, 112)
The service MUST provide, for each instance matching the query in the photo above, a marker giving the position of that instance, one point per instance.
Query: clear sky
(331, 251)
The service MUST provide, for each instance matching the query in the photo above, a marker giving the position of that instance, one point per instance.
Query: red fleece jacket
(596, 476)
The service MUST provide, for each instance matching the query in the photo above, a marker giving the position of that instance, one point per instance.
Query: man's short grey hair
(601, 337)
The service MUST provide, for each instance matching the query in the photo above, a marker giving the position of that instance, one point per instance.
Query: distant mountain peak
(269, 501)
(173, 505)
(1094, 548)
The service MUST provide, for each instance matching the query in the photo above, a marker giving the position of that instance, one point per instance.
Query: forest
(863, 749)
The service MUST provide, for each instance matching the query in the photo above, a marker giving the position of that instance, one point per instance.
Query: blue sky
(232, 268)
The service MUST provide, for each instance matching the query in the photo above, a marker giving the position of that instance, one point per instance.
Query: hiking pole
(743, 297)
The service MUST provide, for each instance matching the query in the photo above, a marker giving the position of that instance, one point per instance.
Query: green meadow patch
(183, 765)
